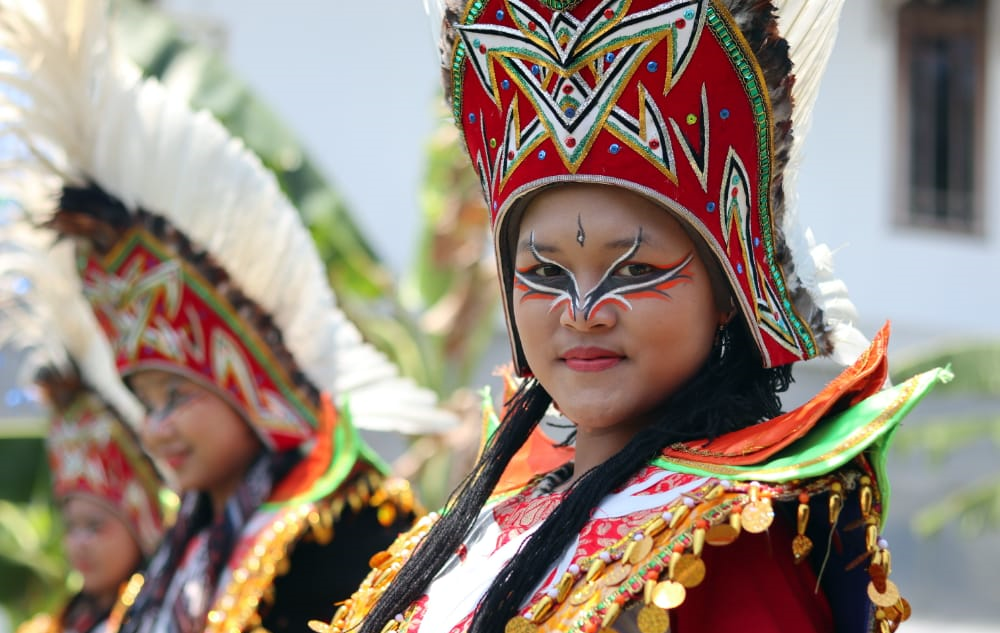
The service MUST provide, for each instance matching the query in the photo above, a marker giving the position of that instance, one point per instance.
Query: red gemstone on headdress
(482, 48)
(680, 23)
(568, 88)
(608, 14)
(571, 142)
(532, 26)
(654, 144)
(734, 192)
(510, 155)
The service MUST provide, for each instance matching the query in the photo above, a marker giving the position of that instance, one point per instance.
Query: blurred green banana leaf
(975, 506)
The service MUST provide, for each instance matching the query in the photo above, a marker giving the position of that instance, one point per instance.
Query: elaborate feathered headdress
(191, 256)
(691, 103)
(92, 447)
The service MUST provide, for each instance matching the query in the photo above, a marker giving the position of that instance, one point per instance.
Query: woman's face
(614, 308)
(196, 433)
(99, 546)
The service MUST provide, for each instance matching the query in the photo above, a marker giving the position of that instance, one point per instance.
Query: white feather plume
(810, 28)
(43, 315)
(86, 114)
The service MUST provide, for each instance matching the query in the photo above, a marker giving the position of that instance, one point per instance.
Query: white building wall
(925, 281)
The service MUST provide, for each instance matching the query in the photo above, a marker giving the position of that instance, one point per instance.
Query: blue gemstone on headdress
(475, 43)
(689, 14)
(13, 397)
(614, 148)
(21, 285)
(472, 117)
(499, 16)
(541, 154)
(652, 66)
(756, 241)
(536, 70)
(739, 268)
(505, 84)
(571, 112)
(710, 207)
(610, 57)
(724, 113)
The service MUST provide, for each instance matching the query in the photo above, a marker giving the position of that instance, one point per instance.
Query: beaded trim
(756, 90)
(252, 580)
(561, 5)
(657, 562)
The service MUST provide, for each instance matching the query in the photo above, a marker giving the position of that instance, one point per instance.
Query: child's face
(613, 306)
(202, 439)
(99, 546)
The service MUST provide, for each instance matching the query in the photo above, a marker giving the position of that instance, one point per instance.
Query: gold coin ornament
(722, 534)
(689, 571)
(905, 611)
(886, 598)
(520, 624)
(616, 575)
(653, 619)
(582, 594)
(757, 516)
(669, 594)
(879, 576)
(641, 550)
(802, 545)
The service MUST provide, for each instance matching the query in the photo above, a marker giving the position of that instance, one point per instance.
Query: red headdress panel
(93, 453)
(686, 102)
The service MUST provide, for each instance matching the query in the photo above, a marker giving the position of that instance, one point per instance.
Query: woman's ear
(726, 315)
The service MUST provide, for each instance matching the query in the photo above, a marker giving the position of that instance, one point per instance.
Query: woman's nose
(586, 317)
(77, 537)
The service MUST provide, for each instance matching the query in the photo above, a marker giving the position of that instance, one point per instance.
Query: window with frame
(941, 102)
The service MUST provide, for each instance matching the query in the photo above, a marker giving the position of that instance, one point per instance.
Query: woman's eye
(635, 270)
(547, 270)
(173, 397)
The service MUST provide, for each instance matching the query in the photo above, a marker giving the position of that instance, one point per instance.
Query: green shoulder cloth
(866, 427)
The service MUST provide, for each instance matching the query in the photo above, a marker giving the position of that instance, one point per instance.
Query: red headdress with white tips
(191, 256)
(698, 105)
(92, 446)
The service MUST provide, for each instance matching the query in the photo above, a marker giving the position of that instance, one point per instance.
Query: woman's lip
(174, 460)
(80, 565)
(589, 353)
(591, 358)
(594, 364)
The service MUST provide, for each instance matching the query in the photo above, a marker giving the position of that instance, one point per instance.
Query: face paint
(581, 236)
(551, 279)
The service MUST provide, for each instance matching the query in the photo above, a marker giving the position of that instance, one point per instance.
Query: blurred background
(342, 100)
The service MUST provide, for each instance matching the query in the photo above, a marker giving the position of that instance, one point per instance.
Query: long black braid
(731, 391)
(524, 411)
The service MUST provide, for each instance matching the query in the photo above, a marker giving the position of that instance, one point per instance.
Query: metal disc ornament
(652, 619)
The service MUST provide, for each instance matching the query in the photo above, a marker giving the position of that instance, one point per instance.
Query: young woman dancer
(218, 309)
(107, 491)
(634, 157)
